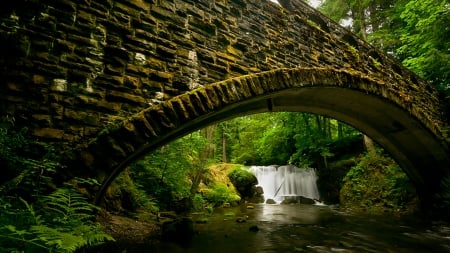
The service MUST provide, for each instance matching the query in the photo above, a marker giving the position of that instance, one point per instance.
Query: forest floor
(128, 230)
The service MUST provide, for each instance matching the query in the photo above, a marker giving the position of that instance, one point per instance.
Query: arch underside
(422, 155)
(415, 149)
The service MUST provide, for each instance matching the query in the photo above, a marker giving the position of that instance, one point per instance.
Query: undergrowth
(377, 184)
(36, 214)
(62, 221)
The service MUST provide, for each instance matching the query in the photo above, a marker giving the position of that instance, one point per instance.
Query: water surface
(308, 228)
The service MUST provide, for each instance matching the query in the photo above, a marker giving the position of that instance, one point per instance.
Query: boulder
(305, 200)
(253, 228)
(259, 191)
(288, 201)
(270, 201)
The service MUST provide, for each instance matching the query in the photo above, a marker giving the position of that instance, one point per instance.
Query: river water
(308, 228)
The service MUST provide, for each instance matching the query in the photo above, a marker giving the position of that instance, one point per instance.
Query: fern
(70, 241)
(66, 226)
(69, 206)
(20, 236)
(36, 218)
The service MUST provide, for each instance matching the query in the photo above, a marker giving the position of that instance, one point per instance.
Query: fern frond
(57, 239)
(36, 218)
(69, 204)
(93, 234)
(14, 235)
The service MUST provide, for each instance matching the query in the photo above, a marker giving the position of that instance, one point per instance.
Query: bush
(244, 181)
(219, 194)
(376, 184)
(125, 196)
(198, 202)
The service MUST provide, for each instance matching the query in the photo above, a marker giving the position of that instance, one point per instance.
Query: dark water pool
(307, 228)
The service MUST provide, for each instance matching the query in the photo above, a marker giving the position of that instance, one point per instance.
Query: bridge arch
(369, 105)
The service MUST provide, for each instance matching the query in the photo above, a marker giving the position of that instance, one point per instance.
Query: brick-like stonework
(76, 72)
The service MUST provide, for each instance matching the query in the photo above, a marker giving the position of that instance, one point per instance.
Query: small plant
(354, 52)
(209, 208)
(229, 214)
(198, 202)
(376, 63)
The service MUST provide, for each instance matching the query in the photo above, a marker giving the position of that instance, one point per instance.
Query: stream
(308, 228)
(300, 227)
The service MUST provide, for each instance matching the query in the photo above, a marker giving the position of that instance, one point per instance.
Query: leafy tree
(279, 138)
(172, 174)
(425, 40)
(412, 31)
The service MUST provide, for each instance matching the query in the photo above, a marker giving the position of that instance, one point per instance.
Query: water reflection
(292, 214)
(308, 228)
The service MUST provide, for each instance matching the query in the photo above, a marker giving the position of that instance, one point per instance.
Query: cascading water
(281, 182)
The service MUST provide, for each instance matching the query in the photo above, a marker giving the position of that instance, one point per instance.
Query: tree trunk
(370, 146)
(340, 130)
(224, 146)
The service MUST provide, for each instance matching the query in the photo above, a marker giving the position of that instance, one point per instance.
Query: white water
(280, 182)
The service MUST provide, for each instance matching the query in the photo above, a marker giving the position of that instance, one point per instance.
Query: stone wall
(69, 68)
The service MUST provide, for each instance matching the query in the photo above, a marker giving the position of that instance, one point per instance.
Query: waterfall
(281, 182)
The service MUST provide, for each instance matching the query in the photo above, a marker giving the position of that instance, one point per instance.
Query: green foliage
(173, 173)
(413, 31)
(279, 138)
(239, 176)
(64, 222)
(244, 181)
(425, 41)
(163, 175)
(220, 194)
(36, 215)
(375, 184)
(26, 166)
(443, 198)
(125, 196)
(198, 203)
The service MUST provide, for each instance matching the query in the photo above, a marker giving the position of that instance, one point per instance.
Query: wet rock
(202, 221)
(305, 200)
(257, 199)
(259, 190)
(241, 220)
(169, 214)
(270, 201)
(289, 201)
(253, 228)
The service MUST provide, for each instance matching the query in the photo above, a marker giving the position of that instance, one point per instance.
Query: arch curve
(370, 105)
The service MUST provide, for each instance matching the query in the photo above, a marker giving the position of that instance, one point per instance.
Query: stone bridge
(109, 81)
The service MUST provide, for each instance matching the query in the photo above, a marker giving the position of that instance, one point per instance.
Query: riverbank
(129, 234)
